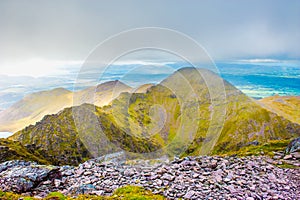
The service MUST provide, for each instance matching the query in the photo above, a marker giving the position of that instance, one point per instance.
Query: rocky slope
(286, 106)
(173, 118)
(56, 136)
(189, 178)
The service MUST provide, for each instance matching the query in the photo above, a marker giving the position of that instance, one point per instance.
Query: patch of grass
(125, 193)
(13, 196)
(16, 151)
(135, 193)
(267, 149)
(56, 195)
(287, 166)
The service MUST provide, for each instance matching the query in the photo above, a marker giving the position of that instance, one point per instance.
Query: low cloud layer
(68, 30)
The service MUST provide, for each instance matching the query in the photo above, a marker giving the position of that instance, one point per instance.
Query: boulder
(293, 146)
(21, 176)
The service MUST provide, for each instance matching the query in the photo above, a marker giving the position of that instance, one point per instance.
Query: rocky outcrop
(22, 176)
(294, 146)
(188, 178)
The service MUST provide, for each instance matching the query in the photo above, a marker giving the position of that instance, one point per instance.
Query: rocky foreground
(189, 178)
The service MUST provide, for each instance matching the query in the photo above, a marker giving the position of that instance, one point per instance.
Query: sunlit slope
(286, 106)
(35, 106)
(143, 88)
(183, 103)
(181, 116)
(102, 94)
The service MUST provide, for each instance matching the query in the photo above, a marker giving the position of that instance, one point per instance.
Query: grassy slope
(165, 116)
(12, 150)
(33, 107)
(245, 120)
(286, 106)
(56, 136)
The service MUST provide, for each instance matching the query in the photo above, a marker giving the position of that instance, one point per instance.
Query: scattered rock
(20, 176)
(296, 155)
(288, 157)
(200, 177)
(189, 194)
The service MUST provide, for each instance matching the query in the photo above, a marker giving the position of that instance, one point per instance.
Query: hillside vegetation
(14, 150)
(173, 118)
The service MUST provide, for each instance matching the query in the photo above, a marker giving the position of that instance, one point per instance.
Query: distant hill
(286, 106)
(35, 106)
(174, 115)
(143, 88)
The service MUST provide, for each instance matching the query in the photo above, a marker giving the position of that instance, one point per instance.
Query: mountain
(56, 136)
(286, 106)
(35, 106)
(186, 114)
(143, 88)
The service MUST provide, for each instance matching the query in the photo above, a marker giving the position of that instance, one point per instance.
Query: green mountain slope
(57, 139)
(245, 122)
(13, 150)
(180, 116)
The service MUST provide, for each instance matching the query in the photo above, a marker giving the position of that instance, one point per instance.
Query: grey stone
(189, 194)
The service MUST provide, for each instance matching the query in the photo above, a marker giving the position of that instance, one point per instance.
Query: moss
(13, 196)
(126, 193)
(56, 196)
(135, 193)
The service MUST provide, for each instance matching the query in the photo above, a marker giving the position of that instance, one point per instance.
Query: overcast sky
(35, 33)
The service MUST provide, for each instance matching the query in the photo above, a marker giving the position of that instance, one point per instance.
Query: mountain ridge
(33, 107)
(157, 121)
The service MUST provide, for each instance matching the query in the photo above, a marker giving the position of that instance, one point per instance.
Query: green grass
(56, 195)
(267, 148)
(16, 151)
(125, 193)
(287, 166)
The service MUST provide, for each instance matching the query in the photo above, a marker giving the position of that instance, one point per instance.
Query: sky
(40, 37)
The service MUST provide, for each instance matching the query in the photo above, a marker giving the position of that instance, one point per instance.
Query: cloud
(69, 30)
(267, 62)
(37, 67)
